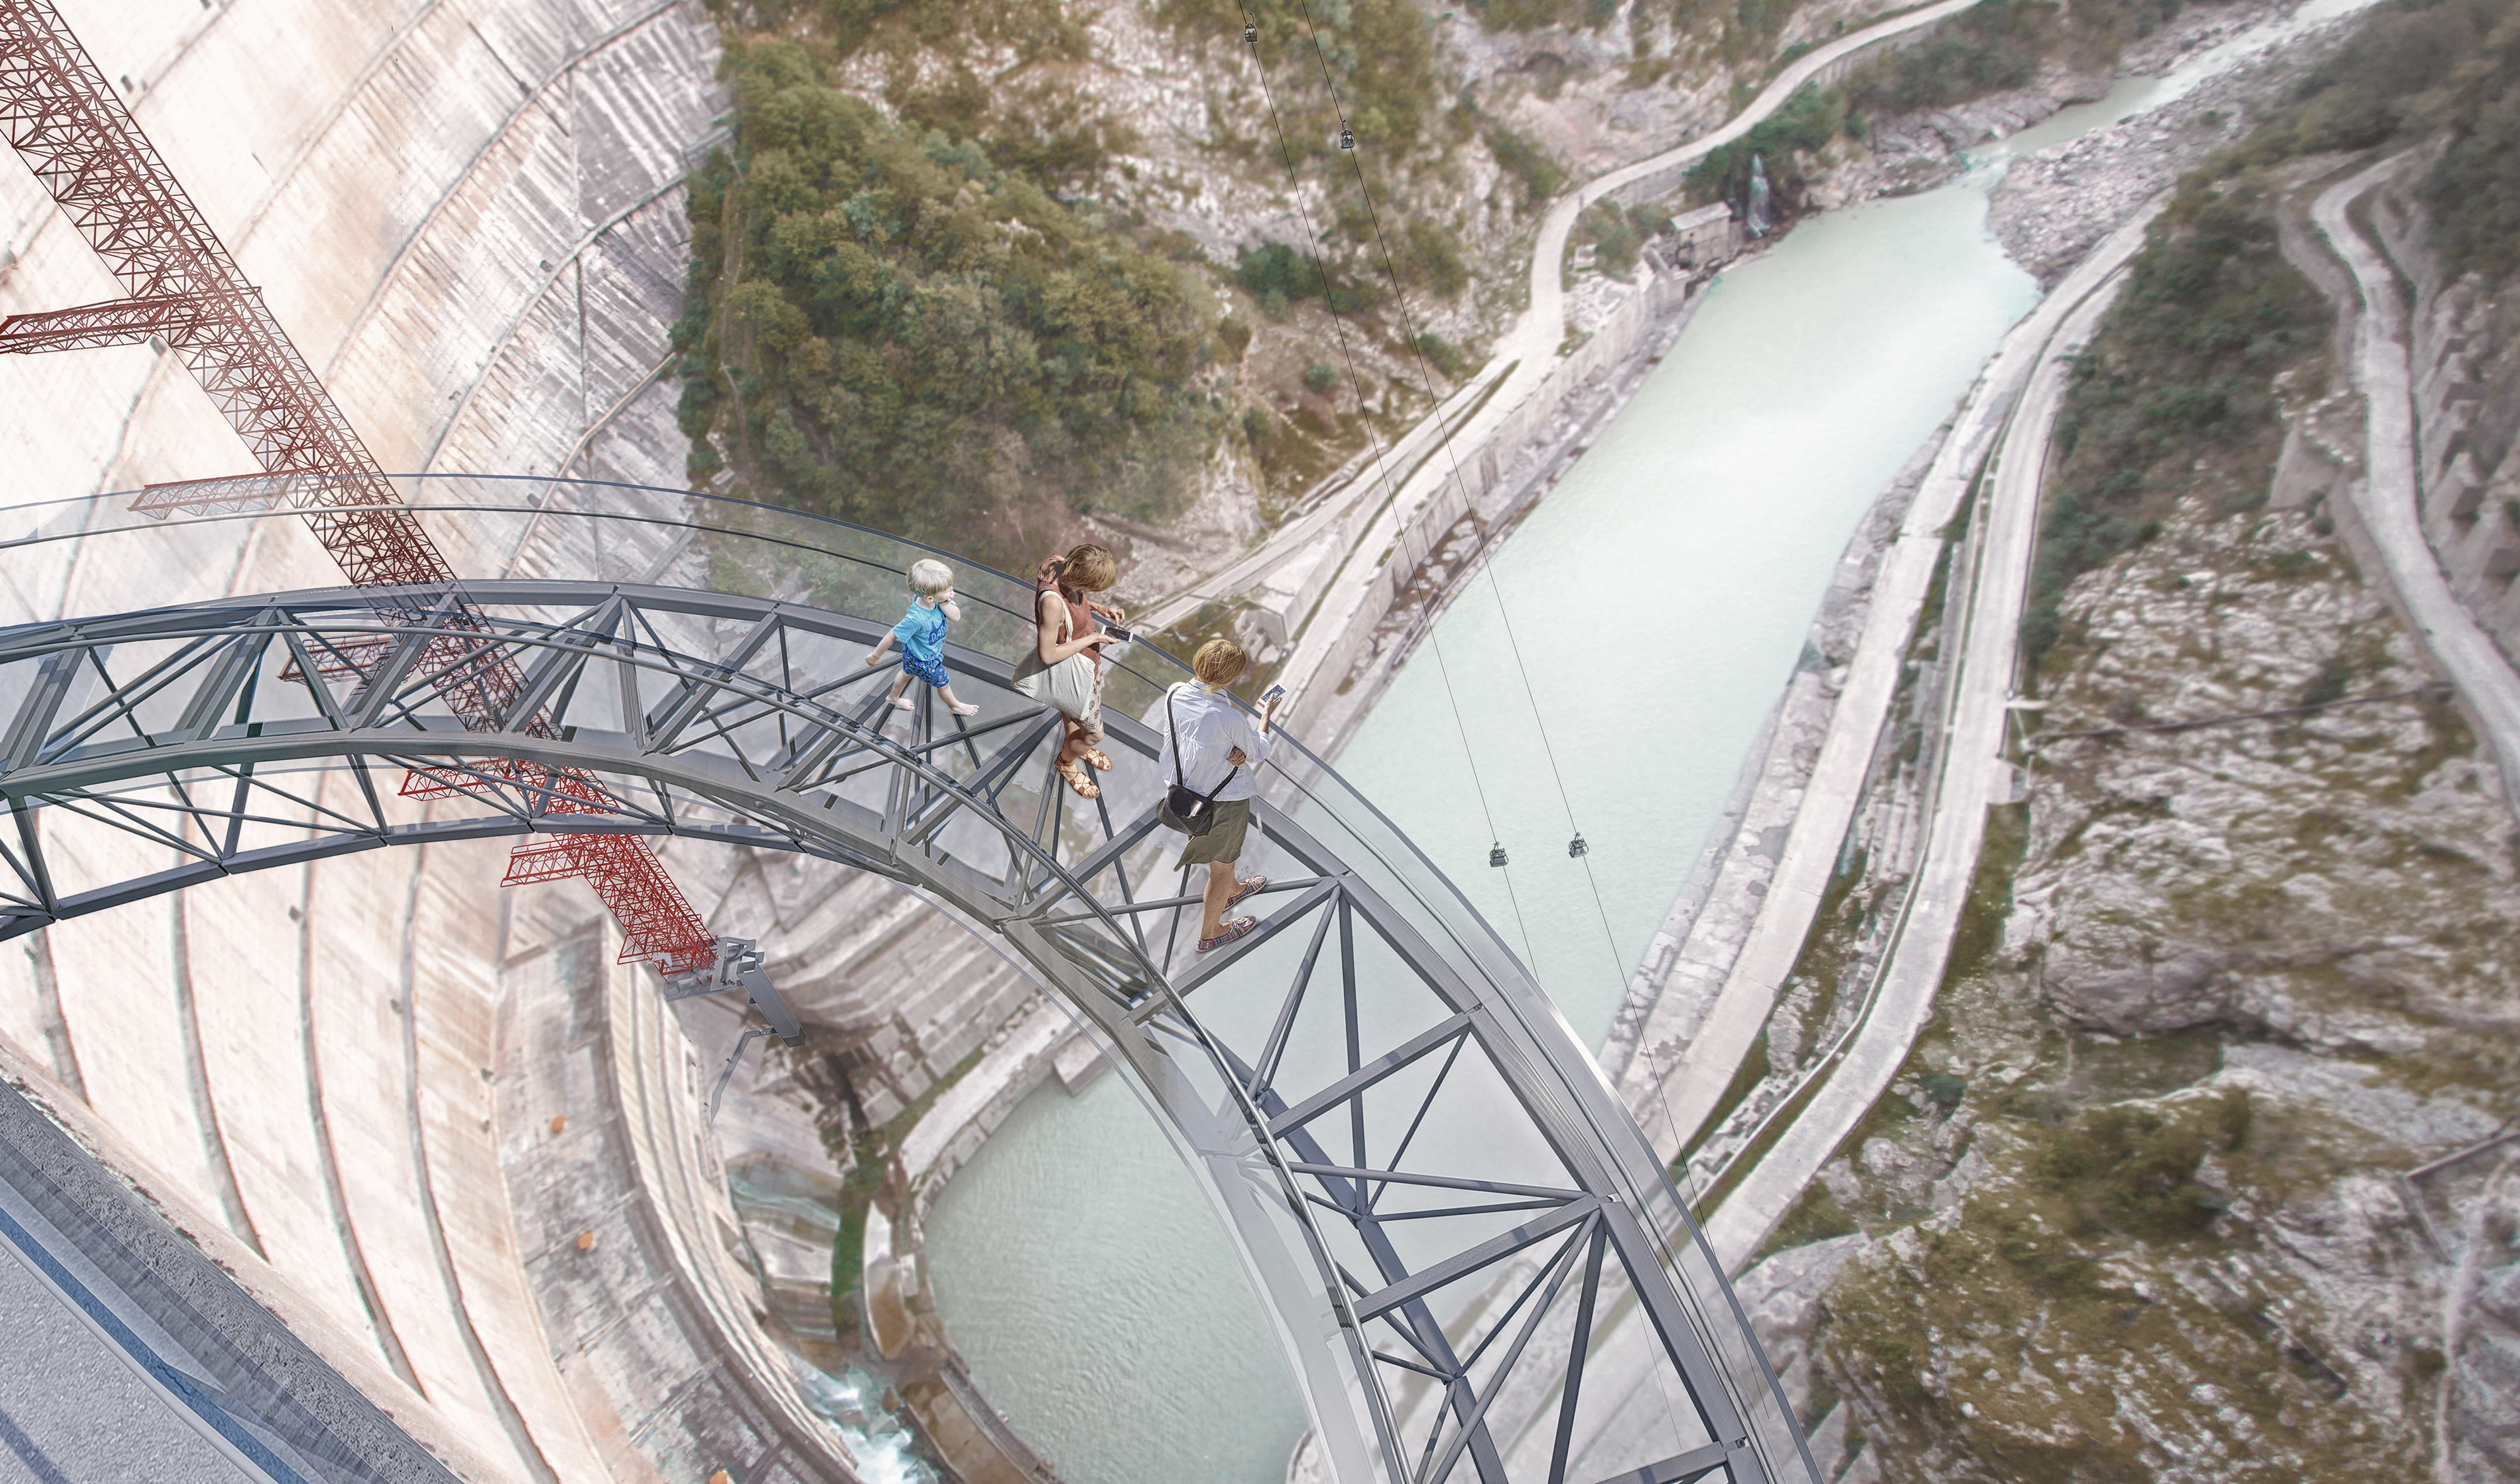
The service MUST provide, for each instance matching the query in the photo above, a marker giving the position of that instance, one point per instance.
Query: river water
(1659, 597)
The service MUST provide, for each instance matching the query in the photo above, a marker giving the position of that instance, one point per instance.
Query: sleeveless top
(1080, 619)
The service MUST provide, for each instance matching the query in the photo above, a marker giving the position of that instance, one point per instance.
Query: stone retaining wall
(1500, 477)
(2466, 361)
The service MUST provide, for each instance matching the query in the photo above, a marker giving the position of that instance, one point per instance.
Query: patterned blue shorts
(931, 671)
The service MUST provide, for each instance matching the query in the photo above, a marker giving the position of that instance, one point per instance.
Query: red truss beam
(227, 494)
(73, 130)
(124, 321)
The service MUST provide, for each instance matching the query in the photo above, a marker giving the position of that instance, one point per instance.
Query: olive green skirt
(1224, 839)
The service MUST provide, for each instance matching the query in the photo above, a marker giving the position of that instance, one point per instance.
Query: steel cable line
(1373, 437)
(1576, 846)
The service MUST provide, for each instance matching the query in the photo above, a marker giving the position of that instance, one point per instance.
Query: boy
(921, 632)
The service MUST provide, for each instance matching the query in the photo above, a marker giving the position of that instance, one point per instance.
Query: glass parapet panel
(1374, 1093)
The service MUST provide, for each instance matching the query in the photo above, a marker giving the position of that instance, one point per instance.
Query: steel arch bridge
(1476, 1265)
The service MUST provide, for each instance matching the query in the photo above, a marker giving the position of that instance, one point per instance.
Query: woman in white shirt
(1218, 745)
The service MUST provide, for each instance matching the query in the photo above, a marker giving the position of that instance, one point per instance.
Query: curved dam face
(432, 1127)
(435, 1127)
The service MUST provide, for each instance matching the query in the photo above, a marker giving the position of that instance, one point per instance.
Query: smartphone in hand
(1272, 696)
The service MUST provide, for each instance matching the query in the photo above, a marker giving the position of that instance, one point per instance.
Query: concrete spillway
(432, 1127)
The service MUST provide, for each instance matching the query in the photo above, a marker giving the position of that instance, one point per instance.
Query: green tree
(890, 326)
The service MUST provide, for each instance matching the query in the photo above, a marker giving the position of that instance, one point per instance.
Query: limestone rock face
(2341, 877)
(2202, 1175)
(2144, 993)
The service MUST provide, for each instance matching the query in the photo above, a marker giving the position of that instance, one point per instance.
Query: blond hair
(1219, 663)
(929, 577)
(1088, 568)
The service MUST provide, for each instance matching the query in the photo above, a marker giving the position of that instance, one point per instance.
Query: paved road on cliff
(2388, 502)
(1701, 1056)
(2009, 417)
(2387, 498)
(1523, 358)
(1973, 775)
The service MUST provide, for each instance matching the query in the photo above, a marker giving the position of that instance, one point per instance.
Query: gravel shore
(2053, 206)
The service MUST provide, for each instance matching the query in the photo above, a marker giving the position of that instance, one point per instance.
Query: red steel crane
(183, 287)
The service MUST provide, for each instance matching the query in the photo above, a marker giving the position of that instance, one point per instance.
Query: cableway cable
(1576, 846)
(1373, 437)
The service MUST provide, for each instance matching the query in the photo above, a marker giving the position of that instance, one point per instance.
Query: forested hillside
(905, 328)
(975, 270)
(926, 295)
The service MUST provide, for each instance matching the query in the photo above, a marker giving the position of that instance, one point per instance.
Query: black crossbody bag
(1190, 811)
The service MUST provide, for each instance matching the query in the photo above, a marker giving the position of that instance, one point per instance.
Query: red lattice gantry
(186, 292)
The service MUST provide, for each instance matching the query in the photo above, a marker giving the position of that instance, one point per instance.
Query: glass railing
(93, 555)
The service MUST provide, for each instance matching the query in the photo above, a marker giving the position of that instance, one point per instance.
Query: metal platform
(1457, 1232)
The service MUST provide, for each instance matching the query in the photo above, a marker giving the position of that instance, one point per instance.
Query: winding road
(2387, 498)
(2388, 501)
(1703, 1069)
(1973, 772)
(1520, 364)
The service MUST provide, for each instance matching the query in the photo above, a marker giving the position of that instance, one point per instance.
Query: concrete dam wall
(432, 1125)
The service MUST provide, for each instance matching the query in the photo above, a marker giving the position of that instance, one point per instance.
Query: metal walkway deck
(1441, 1203)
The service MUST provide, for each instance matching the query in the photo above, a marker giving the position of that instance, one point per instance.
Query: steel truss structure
(186, 292)
(1476, 1263)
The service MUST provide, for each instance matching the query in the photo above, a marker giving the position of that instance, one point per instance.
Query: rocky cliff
(2151, 1200)
(2205, 1168)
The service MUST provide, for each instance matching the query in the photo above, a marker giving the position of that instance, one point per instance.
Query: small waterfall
(854, 1405)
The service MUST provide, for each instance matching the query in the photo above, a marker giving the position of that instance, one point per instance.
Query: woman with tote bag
(1064, 670)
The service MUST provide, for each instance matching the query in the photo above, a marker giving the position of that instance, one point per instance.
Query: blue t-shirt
(921, 632)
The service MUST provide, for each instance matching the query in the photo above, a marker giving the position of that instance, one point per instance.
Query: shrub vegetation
(1380, 53)
(2179, 377)
(1997, 45)
(1527, 163)
(1786, 141)
(890, 326)
(1618, 237)
(2181, 371)
(2134, 1169)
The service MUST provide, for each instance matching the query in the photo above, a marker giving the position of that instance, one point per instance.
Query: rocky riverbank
(1712, 916)
(1695, 949)
(2199, 1173)
(1918, 150)
(2053, 206)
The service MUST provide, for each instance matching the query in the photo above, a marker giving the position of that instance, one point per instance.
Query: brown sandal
(1085, 787)
(1094, 756)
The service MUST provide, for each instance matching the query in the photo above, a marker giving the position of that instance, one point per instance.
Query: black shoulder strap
(1175, 729)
